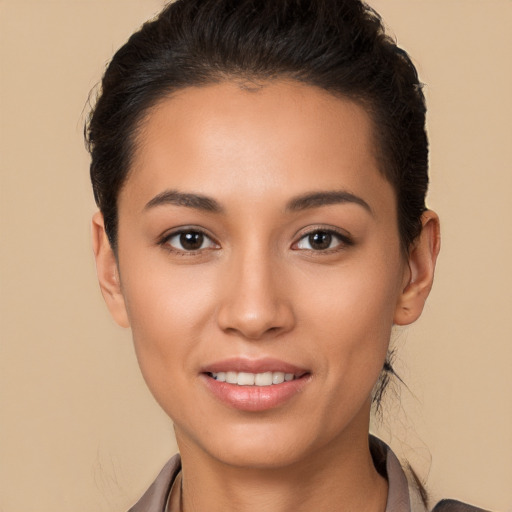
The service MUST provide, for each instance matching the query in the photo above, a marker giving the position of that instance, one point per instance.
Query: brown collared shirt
(403, 495)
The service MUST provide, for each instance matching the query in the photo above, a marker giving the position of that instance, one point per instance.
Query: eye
(322, 240)
(190, 240)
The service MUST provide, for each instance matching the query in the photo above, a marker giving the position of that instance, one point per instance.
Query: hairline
(260, 80)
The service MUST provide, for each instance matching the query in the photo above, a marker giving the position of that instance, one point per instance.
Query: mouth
(255, 385)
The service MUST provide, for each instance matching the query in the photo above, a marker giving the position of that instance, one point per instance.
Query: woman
(261, 170)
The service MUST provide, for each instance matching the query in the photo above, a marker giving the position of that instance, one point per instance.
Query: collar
(403, 495)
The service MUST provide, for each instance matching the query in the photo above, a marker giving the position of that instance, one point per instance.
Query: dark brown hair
(338, 45)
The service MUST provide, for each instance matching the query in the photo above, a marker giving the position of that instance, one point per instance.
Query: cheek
(164, 297)
(351, 316)
(169, 309)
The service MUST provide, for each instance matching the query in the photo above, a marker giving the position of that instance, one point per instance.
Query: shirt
(403, 493)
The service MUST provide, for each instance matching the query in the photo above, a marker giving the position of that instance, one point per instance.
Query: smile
(253, 379)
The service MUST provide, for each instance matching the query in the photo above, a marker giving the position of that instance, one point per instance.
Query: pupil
(191, 241)
(320, 240)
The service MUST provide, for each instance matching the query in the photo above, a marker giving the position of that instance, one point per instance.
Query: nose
(255, 304)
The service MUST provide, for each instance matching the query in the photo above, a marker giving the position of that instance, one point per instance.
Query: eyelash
(165, 241)
(343, 241)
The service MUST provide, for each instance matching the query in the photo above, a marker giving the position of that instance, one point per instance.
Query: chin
(258, 445)
(260, 456)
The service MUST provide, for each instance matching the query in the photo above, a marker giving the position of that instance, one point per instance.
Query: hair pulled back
(337, 45)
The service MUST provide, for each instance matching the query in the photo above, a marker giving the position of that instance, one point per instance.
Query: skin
(258, 288)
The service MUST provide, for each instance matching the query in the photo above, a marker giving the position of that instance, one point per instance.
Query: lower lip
(255, 398)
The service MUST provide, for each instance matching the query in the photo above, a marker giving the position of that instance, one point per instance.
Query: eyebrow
(303, 202)
(316, 199)
(196, 201)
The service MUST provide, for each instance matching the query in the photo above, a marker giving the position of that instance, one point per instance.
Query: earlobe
(108, 272)
(422, 262)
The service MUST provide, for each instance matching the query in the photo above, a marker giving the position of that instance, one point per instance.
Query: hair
(339, 46)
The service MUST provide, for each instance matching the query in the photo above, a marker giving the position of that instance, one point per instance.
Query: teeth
(253, 379)
(277, 377)
(245, 379)
(231, 377)
(263, 379)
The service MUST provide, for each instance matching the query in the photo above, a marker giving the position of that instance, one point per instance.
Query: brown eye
(323, 240)
(188, 241)
(191, 241)
(320, 240)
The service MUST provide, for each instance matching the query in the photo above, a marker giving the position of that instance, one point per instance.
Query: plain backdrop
(79, 431)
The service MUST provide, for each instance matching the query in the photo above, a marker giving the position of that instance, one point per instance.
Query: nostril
(254, 332)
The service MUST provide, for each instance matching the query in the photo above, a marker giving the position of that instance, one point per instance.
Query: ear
(108, 272)
(422, 261)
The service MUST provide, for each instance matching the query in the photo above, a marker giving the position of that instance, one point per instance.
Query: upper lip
(261, 365)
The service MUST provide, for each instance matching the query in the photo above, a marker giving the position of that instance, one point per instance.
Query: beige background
(79, 432)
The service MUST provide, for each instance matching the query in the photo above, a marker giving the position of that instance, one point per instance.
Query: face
(260, 269)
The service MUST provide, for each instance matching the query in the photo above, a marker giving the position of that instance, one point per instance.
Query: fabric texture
(403, 495)
(455, 506)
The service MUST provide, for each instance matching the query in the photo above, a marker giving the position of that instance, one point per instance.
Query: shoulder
(455, 506)
(405, 494)
(155, 498)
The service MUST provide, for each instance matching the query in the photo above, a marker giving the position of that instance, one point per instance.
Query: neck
(339, 477)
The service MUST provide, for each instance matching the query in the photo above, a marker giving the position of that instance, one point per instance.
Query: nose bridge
(254, 303)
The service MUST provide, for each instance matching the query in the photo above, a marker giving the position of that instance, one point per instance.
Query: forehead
(277, 139)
